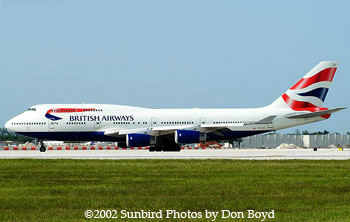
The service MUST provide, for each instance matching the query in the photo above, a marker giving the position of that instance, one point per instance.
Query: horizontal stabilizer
(314, 114)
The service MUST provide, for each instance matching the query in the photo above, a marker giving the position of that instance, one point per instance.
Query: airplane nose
(8, 125)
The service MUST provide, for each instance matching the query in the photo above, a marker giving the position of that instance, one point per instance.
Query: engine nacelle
(135, 139)
(189, 136)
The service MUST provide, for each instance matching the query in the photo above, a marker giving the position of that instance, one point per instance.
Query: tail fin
(309, 92)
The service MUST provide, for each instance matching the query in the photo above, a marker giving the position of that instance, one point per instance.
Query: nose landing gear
(42, 146)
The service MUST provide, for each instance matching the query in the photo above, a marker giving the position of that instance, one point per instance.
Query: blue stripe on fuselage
(72, 136)
(99, 136)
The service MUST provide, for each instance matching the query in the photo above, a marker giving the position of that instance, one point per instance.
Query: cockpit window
(31, 109)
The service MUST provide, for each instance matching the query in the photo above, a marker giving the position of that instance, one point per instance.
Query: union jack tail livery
(309, 93)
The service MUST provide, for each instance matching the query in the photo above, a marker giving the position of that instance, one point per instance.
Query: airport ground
(249, 154)
(61, 189)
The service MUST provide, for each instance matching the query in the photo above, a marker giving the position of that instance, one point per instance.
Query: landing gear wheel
(42, 149)
(42, 146)
(156, 148)
(172, 148)
(165, 148)
(159, 148)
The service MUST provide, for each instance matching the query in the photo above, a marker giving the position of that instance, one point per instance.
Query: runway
(248, 154)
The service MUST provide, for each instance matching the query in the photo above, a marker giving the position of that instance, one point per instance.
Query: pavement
(250, 154)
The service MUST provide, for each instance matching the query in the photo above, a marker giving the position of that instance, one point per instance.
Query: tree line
(6, 135)
(306, 132)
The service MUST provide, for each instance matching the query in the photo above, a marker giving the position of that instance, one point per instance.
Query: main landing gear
(165, 148)
(165, 144)
(42, 146)
(155, 148)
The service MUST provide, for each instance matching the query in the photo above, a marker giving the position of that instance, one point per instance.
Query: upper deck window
(31, 109)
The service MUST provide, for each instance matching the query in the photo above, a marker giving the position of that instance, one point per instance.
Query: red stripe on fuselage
(324, 75)
(68, 110)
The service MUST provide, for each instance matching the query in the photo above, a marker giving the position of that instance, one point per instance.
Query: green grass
(56, 190)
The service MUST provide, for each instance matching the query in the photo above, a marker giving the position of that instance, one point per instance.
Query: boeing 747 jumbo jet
(166, 129)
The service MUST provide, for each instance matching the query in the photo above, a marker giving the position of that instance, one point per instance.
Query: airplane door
(153, 122)
(51, 125)
(202, 120)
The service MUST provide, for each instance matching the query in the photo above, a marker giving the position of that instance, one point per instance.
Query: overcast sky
(176, 54)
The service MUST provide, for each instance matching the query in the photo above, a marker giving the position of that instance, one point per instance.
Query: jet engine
(135, 140)
(189, 136)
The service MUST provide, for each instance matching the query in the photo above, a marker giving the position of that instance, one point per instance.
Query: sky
(170, 54)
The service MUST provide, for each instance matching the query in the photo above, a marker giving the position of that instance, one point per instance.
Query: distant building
(307, 141)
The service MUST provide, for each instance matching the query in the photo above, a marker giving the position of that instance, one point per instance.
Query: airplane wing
(164, 130)
(314, 114)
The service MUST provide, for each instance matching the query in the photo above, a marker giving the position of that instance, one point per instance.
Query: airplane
(167, 129)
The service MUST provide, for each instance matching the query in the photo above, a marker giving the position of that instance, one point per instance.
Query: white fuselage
(90, 122)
